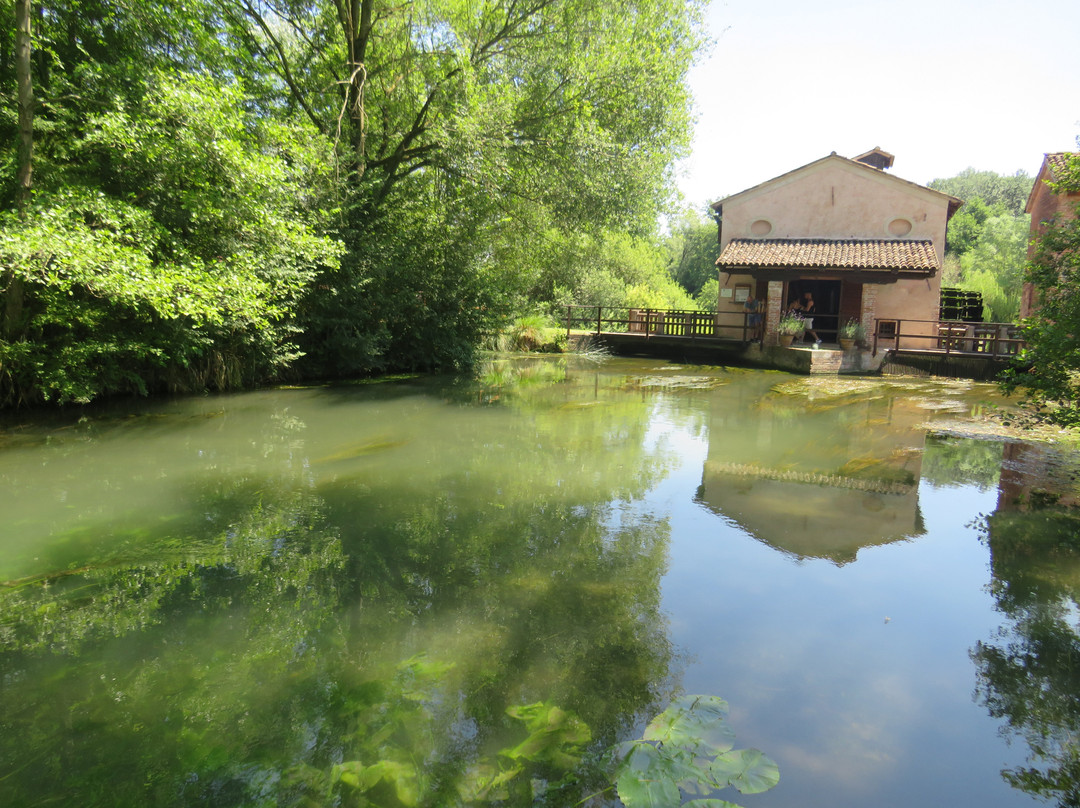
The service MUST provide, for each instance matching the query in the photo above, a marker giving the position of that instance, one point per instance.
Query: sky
(941, 84)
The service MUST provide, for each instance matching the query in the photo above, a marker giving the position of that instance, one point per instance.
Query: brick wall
(773, 306)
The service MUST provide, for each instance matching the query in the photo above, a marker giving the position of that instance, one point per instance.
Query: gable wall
(834, 199)
(1043, 205)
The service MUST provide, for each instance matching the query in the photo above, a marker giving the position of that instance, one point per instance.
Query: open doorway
(826, 296)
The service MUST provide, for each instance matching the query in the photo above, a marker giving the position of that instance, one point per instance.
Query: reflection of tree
(333, 632)
(951, 461)
(1030, 675)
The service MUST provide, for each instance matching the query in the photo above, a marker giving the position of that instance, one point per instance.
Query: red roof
(845, 254)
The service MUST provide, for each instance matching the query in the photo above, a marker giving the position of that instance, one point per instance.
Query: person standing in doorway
(752, 307)
(808, 315)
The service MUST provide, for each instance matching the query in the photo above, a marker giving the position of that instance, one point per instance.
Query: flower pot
(846, 344)
(786, 340)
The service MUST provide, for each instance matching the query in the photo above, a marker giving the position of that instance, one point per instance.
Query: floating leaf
(696, 723)
(710, 803)
(749, 770)
(647, 779)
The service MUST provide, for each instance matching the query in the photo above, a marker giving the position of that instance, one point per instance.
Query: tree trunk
(356, 23)
(14, 292)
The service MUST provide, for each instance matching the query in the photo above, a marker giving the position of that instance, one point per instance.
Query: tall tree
(13, 291)
(171, 229)
(994, 266)
(507, 122)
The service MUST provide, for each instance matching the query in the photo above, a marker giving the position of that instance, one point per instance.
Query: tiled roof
(851, 254)
(1057, 162)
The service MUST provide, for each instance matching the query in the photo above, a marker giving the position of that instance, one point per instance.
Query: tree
(431, 140)
(694, 251)
(1011, 192)
(966, 225)
(520, 127)
(177, 264)
(986, 242)
(994, 266)
(1048, 370)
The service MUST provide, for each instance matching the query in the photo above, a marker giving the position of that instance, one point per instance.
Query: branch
(286, 72)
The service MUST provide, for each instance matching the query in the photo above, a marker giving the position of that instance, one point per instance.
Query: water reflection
(452, 591)
(1029, 675)
(818, 468)
(301, 601)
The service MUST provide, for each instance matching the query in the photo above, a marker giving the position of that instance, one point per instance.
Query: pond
(466, 591)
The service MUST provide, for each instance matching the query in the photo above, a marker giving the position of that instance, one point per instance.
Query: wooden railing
(937, 336)
(658, 322)
(948, 337)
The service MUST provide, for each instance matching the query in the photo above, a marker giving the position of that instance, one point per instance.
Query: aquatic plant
(531, 332)
(688, 749)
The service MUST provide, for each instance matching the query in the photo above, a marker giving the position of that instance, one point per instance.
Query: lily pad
(749, 770)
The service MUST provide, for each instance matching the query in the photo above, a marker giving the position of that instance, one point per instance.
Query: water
(456, 591)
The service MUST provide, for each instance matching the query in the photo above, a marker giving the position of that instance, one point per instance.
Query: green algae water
(465, 591)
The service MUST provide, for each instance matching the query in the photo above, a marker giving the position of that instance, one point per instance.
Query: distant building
(866, 244)
(1045, 204)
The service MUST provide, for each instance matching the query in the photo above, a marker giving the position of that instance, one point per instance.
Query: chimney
(875, 158)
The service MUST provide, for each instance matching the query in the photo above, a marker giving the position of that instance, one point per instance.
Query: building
(867, 245)
(1045, 204)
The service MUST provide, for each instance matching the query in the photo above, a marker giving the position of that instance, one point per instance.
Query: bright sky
(940, 84)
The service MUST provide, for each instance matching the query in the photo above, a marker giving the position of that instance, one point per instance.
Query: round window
(760, 227)
(899, 227)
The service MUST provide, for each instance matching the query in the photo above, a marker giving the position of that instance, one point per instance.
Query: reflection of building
(1036, 474)
(816, 473)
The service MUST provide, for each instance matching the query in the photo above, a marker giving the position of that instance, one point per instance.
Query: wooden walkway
(705, 336)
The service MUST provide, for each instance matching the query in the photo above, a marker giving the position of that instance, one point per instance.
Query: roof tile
(852, 254)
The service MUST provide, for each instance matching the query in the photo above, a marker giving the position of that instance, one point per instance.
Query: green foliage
(966, 225)
(184, 273)
(688, 748)
(485, 159)
(991, 189)
(694, 250)
(986, 242)
(995, 266)
(708, 298)
(536, 332)
(852, 329)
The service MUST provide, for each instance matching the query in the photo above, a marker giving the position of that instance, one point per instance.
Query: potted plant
(851, 331)
(791, 325)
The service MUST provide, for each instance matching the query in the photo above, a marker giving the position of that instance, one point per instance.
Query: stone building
(866, 244)
(1044, 204)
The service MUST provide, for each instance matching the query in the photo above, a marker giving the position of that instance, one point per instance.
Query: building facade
(867, 245)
